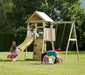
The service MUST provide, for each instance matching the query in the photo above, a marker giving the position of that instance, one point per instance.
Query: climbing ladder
(37, 49)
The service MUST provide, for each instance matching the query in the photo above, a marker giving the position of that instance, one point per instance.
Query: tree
(14, 13)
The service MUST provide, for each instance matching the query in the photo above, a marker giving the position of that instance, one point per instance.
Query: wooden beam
(36, 21)
(41, 21)
(61, 22)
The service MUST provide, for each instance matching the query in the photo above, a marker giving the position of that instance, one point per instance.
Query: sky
(83, 3)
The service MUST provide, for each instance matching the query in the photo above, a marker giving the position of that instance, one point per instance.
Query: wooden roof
(39, 16)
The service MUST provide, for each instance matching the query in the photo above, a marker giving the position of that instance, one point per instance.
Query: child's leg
(9, 56)
(42, 56)
(14, 55)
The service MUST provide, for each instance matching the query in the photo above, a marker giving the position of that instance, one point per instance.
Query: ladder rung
(72, 39)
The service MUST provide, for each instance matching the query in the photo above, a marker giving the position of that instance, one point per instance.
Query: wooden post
(51, 36)
(44, 46)
(28, 30)
(76, 43)
(43, 36)
(56, 30)
(35, 29)
(25, 53)
(68, 41)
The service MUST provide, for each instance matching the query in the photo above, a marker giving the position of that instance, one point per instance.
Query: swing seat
(57, 49)
(72, 39)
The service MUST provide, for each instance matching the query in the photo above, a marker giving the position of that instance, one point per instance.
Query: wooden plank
(47, 36)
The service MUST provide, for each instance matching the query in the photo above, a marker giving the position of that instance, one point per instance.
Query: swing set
(70, 36)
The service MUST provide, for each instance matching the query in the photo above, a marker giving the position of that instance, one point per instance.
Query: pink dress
(12, 55)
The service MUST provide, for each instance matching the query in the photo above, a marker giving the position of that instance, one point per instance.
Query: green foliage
(14, 13)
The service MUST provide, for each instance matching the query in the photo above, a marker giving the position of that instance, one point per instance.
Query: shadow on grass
(1, 60)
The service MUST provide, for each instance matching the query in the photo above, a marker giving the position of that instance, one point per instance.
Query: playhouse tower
(48, 33)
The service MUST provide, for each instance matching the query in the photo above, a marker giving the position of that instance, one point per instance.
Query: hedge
(6, 39)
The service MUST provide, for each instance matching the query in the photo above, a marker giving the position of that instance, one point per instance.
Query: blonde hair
(14, 42)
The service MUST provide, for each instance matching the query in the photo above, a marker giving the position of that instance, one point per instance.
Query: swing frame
(70, 39)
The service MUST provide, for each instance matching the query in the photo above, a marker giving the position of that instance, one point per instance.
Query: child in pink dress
(13, 50)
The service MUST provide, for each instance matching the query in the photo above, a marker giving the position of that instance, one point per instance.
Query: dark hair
(14, 48)
(55, 61)
(32, 29)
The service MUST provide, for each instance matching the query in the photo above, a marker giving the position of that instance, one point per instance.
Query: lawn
(22, 67)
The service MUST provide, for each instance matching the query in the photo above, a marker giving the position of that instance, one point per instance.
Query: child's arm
(10, 49)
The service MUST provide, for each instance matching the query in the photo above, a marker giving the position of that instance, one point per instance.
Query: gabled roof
(39, 16)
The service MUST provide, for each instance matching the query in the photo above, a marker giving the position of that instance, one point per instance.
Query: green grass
(22, 67)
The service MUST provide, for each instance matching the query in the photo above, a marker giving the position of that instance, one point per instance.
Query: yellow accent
(22, 46)
(40, 42)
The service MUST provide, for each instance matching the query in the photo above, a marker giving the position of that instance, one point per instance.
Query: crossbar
(61, 22)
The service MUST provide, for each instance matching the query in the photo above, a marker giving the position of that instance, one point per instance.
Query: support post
(72, 27)
(28, 30)
(51, 36)
(68, 41)
(35, 29)
(76, 43)
(43, 47)
(25, 53)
